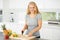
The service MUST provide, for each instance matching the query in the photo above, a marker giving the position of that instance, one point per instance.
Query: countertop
(36, 39)
(2, 37)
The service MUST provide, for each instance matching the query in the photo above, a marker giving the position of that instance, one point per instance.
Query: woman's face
(32, 8)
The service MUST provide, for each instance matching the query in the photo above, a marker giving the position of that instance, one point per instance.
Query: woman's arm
(37, 28)
(25, 27)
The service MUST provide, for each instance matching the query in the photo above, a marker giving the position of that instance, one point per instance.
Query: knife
(22, 32)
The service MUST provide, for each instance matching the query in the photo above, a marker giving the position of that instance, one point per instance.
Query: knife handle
(22, 32)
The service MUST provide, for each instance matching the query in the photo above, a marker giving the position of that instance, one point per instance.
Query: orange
(9, 31)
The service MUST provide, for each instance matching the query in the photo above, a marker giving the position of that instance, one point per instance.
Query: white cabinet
(50, 31)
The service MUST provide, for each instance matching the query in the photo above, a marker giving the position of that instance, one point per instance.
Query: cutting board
(22, 37)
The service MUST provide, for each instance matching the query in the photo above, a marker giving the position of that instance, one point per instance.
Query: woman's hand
(30, 34)
(22, 30)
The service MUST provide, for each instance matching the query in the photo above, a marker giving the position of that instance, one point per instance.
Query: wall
(1, 4)
(43, 4)
(19, 8)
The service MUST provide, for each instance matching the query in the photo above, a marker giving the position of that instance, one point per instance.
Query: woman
(33, 21)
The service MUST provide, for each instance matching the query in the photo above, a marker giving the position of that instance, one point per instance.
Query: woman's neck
(32, 15)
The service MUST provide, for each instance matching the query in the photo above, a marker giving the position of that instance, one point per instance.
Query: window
(48, 16)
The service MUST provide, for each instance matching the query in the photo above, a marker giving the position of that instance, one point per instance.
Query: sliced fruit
(9, 32)
(14, 35)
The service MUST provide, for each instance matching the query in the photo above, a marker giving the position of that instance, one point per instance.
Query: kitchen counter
(48, 31)
(39, 39)
(2, 37)
(33, 39)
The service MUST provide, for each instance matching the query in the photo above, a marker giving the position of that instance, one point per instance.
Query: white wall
(43, 4)
(5, 10)
(1, 4)
(19, 7)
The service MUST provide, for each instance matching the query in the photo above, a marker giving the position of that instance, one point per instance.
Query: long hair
(36, 12)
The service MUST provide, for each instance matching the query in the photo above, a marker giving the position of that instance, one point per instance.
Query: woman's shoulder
(39, 16)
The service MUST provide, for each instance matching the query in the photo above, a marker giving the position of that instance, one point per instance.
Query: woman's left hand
(30, 34)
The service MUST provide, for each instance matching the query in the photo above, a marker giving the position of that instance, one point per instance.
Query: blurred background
(12, 13)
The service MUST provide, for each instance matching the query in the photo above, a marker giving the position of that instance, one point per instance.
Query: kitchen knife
(22, 32)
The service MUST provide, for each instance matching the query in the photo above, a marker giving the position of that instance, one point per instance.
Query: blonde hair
(36, 12)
